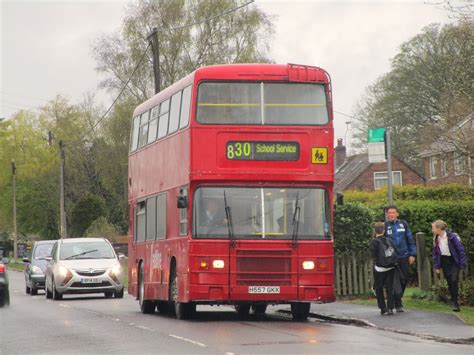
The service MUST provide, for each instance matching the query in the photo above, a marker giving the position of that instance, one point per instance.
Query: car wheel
(108, 294)
(119, 294)
(146, 306)
(56, 295)
(47, 293)
(27, 290)
(300, 310)
(33, 291)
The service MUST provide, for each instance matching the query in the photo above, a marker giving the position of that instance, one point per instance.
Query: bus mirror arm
(182, 202)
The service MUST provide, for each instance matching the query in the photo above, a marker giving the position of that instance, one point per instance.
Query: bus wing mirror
(182, 202)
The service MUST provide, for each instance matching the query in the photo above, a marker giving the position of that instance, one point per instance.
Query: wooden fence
(354, 275)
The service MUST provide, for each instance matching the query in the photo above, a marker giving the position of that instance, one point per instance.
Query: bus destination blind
(262, 150)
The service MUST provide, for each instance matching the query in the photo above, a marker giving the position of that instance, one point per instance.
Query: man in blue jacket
(399, 234)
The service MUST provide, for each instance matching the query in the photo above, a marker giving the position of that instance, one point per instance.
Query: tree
(429, 85)
(192, 34)
(85, 211)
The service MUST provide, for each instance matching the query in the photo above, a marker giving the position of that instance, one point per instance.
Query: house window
(433, 167)
(459, 164)
(381, 179)
(444, 167)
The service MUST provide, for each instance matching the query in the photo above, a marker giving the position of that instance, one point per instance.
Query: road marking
(143, 327)
(188, 340)
(64, 305)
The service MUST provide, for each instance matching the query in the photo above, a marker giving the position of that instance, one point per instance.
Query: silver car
(83, 265)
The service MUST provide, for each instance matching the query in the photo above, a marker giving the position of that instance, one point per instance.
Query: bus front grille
(263, 267)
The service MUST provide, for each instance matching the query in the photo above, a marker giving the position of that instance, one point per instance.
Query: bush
(353, 224)
(422, 295)
(84, 212)
(466, 292)
(441, 292)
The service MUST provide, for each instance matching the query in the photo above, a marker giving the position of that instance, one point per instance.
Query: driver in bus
(213, 216)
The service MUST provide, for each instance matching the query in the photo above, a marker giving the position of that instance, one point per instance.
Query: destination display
(262, 150)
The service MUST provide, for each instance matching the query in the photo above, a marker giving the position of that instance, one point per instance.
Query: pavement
(442, 327)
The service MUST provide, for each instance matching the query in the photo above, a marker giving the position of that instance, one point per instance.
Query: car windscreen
(42, 251)
(264, 103)
(86, 250)
(261, 213)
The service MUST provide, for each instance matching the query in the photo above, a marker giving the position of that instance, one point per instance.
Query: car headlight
(62, 271)
(117, 269)
(36, 270)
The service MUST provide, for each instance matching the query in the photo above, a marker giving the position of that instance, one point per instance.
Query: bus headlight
(218, 264)
(308, 265)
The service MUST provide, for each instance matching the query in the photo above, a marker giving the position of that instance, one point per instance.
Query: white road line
(188, 340)
(143, 327)
(64, 305)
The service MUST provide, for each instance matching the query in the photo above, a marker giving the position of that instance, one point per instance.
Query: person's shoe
(399, 309)
(456, 307)
(383, 311)
(390, 312)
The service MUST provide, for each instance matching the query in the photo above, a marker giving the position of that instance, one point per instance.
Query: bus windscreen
(259, 213)
(250, 103)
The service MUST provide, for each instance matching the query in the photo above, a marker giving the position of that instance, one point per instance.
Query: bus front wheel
(182, 310)
(146, 306)
(300, 310)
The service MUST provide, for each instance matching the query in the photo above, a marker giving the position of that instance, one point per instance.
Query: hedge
(412, 192)
(353, 222)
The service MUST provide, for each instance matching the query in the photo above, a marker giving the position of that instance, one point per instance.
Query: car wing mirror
(48, 258)
(121, 256)
(26, 260)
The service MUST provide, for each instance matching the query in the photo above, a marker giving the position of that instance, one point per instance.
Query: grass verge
(16, 266)
(466, 314)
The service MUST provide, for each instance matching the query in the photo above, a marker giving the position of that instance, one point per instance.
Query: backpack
(387, 254)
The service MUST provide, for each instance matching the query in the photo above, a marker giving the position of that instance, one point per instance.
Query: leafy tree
(85, 211)
(191, 34)
(428, 89)
(101, 228)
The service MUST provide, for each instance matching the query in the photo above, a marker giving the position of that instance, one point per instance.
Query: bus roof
(256, 71)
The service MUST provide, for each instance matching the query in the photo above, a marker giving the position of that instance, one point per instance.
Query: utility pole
(153, 39)
(389, 166)
(15, 236)
(62, 212)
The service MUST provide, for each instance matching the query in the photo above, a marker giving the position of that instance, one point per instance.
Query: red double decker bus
(230, 188)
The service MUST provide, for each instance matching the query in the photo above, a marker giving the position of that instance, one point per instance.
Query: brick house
(448, 160)
(356, 173)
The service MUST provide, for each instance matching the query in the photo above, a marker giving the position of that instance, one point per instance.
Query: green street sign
(376, 135)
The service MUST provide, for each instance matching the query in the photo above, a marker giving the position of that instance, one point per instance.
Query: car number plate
(264, 289)
(91, 281)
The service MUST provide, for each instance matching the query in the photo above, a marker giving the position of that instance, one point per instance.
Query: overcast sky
(46, 45)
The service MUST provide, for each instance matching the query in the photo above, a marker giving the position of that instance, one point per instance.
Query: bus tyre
(163, 307)
(182, 310)
(146, 306)
(300, 310)
(242, 310)
(259, 308)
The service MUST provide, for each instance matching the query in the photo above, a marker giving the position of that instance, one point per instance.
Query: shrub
(84, 212)
(466, 292)
(441, 292)
(421, 295)
(353, 225)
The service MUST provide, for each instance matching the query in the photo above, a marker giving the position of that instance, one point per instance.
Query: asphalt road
(94, 325)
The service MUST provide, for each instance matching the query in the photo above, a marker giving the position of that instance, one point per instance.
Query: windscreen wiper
(296, 220)
(230, 225)
(80, 254)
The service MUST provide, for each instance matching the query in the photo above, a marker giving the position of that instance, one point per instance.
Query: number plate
(91, 281)
(264, 289)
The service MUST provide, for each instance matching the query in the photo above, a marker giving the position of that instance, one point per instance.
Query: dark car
(35, 267)
(4, 292)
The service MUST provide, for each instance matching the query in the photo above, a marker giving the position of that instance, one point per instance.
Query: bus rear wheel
(182, 310)
(242, 309)
(146, 306)
(259, 308)
(300, 310)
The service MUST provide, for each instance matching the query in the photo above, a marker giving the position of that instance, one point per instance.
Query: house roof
(444, 144)
(350, 170)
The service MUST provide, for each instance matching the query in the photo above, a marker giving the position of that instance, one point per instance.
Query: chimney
(339, 153)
